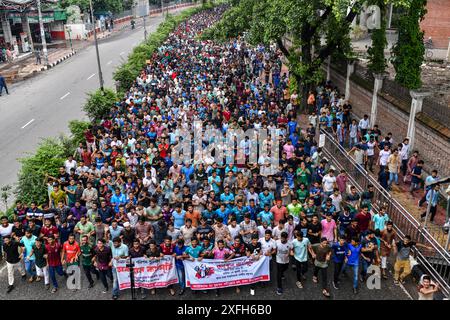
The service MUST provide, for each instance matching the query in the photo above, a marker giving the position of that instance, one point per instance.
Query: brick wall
(433, 148)
(437, 22)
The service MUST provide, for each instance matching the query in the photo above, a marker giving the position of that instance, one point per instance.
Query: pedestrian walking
(3, 85)
(37, 55)
(13, 251)
(322, 256)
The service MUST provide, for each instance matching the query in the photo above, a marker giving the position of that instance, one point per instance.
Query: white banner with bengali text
(214, 274)
(148, 274)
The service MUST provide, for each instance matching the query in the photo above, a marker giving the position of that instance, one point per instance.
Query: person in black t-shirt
(254, 249)
(13, 251)
(314, 230)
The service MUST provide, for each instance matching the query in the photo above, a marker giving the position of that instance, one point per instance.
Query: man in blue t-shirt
(179, 251)
(353, 255)
(340, 250)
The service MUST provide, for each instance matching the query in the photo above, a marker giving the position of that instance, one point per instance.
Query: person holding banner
(178, 253)
(221, 252)
(282, 250)
(118, 251)
(193, 252)
(167, 249)
(268, 245)
(153, 253)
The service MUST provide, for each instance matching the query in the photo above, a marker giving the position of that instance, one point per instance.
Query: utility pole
(100, 76)
(145, 28)
(41, 27)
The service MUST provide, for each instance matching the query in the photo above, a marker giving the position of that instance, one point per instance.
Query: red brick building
(437, 22)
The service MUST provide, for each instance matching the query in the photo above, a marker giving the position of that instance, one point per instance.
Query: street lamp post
(100, 76)
(145, 28)
(41, 27)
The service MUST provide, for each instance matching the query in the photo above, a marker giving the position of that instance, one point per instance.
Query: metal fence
(398, 92)
(436, 261)
(437, 111)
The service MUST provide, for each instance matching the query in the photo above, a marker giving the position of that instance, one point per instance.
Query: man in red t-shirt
(70, 251)
(48, 230)
(364, 218)
(54, 261)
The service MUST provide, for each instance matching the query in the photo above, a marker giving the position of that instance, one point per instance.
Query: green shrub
(99, 103)
(77, 129)
(49, 156)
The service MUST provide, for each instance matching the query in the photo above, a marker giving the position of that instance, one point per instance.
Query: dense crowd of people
(124, 196)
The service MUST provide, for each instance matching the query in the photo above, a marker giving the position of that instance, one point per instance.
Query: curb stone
(53, 64)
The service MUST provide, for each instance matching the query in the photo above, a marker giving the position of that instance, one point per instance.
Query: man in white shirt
(383, 157)
(234, 228)
(69, 164)
(267, 244)
(404, 154)
(5, 230)
(329, 182)
(363, 125)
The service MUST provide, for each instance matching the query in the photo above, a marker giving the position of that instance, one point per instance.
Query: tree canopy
(317, 29)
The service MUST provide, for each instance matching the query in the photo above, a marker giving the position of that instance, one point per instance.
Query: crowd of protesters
(389, 158)
(124, 196)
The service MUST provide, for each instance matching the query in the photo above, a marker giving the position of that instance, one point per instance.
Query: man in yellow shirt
(56, 196)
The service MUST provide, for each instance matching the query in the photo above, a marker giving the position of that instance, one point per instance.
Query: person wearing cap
(322, 256)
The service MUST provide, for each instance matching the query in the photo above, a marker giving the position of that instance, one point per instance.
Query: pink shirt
(328, 229)
(289, 149)
(220, 254)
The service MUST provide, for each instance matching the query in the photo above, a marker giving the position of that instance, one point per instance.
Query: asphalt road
(263, 290)
(42, 106)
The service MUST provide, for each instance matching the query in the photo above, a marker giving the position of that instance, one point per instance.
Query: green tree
(317, 29)
(408, 53)
(99, 103)
(377, 61)
(32, 182)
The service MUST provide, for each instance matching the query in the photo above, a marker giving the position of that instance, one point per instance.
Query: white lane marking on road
(64, 96)
(91, 76)
(27, 125)
(122, 53)
(109, 62)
